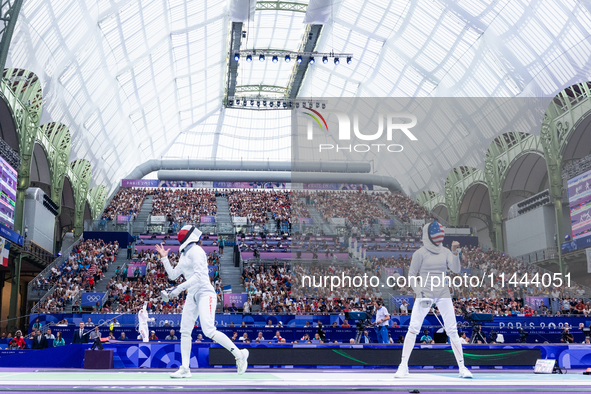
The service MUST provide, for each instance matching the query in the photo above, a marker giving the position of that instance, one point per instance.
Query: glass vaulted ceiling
(142, 79)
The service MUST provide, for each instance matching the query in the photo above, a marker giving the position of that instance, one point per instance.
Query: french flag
(5, 251)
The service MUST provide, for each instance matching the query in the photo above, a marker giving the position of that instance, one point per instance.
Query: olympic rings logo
(93, 298)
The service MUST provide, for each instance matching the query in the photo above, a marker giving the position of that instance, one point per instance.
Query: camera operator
(477, 336)
(493, 335)
(321, 332)
(566, 336)
(382, 321)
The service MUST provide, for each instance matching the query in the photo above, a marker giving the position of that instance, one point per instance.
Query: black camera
(522, 335)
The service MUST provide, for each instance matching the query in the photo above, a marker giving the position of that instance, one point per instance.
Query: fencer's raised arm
(453, 258)
(172, 272)
(453, 262)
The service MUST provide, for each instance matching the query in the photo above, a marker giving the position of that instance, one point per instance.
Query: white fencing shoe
(465, 373)
(242, 361)
(181, 373)
(402, 372)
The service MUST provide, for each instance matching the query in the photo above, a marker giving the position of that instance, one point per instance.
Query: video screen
(579, 200)
(8, 177)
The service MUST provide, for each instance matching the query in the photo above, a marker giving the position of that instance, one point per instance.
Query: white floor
(276, 378)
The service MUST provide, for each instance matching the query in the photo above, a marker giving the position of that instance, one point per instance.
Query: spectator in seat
(171, 337)
(122, 337)
(260, 337)
(277, 337)
(345, 325)
(49, 336)
(365, 338)
(153, 336)
(199, 338)
(13, 345)
(426, 338)
(95, 333)
(59, 341)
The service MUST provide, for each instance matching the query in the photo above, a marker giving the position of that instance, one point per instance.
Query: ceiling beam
(281, 6)
(308, 45)
(235, 36)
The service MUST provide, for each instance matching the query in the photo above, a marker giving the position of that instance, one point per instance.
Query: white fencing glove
(169, 293)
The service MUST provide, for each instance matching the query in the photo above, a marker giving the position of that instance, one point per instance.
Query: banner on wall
(305, 220)
(207, 219)
(211, 270)
(252, 185)
(237, 298)
(123, 218)
(398, 299)
(240, 220)
(190, 184)
(337, 221)
(417, 222)
(139, 182)
(10, 235)
(336, 186)
(391, 271)
(90, 299)
(158, 219)
(588, 252)
(386, 222)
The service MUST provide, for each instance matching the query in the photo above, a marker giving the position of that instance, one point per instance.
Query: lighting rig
(262, 55)
(268, 102)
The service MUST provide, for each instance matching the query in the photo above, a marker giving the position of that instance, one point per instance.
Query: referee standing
(382, 321)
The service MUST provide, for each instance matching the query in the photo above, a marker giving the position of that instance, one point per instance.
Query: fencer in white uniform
(143, 318)
(201, 298)
(430, 261)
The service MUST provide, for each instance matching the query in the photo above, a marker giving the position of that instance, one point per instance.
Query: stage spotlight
(264, 103)
(251, 102)
(287, 58)
(258, 103)
(317, 105)
(243, 34)
(297, 105)
(244, 103)
(236, 56)
(290, 104)
(271, 104)
(311, 59)
(324, 59)
(284, 104)
(261, 58)
(567, 236)
(323, 106)
(299, 59)
(249, 58)
(336, 61)
(349, 59)
(275, 59)
(278, 103)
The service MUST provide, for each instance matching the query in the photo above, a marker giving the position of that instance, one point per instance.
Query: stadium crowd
(127, 201)
(85, 265)
(184, 205)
